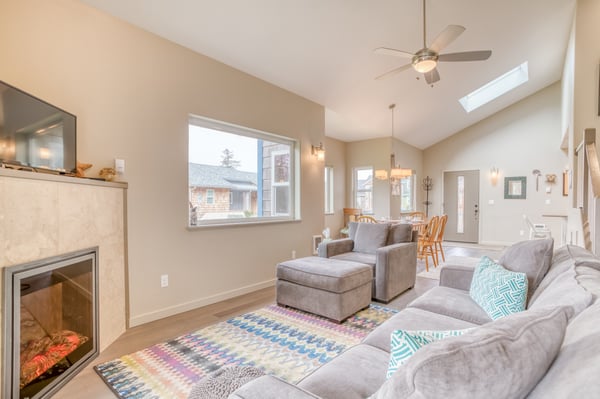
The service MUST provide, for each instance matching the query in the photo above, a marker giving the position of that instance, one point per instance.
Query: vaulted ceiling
(323, 50)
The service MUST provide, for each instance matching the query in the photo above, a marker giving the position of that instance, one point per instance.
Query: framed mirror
(515, 187)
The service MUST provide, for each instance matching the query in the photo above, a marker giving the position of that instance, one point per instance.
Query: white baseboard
(184, 307)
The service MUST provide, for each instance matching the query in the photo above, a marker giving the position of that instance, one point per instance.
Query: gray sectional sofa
(550, 350)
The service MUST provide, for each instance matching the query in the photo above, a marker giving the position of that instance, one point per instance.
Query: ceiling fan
(425, 60)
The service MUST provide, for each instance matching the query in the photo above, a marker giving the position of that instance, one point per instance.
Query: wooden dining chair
(366, 219)
(439, 238)
(417, 215)
(426, 244)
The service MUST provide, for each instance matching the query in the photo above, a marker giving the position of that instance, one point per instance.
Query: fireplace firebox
(50, 322)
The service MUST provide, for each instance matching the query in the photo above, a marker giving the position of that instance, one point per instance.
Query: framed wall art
(515, 187)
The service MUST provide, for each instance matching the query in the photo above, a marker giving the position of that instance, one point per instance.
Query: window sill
(238, 224)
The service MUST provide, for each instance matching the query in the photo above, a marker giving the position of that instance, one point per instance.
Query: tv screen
(34, 133)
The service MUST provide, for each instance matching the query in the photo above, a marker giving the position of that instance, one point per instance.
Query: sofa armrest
(270, 387)
(456, 276)
(331, 248)
(395, 270)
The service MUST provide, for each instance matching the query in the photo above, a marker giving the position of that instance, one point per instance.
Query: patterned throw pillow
(498, 291)
(405, 343)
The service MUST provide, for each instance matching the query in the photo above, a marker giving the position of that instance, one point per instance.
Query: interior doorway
(461, 204)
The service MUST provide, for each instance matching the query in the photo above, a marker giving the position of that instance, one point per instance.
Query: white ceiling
(323, 50)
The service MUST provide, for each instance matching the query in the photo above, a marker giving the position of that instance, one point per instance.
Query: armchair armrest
(335, 247)
(456, 276)
(270, 387)
(395, 270)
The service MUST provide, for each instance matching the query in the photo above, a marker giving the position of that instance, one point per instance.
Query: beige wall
(335, 156)
(376, 153)
(522, 137)
(132, 93)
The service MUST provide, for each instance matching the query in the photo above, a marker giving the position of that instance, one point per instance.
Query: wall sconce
(494, 175)
(550, 180)
(318, 152)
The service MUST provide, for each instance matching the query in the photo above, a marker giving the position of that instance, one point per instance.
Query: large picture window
(239, 175)
(363, 189)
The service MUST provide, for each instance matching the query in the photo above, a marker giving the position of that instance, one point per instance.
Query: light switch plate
(120, 166)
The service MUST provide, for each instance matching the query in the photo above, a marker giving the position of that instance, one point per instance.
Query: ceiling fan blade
(393, 52)
(446, 37)
(432, 76)
(466, 56)
(394, 71)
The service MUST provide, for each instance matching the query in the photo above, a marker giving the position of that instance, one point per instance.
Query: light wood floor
(87, 384)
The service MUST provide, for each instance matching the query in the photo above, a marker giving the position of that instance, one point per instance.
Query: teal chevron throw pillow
(498, 291)
(405, 343)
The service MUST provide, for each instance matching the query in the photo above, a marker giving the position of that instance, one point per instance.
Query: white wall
(522, 137)
(132, 93)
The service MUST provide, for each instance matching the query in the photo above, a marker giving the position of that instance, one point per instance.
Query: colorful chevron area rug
(281, 341)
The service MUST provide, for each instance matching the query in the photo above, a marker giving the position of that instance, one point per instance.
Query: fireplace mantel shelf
(59, 178)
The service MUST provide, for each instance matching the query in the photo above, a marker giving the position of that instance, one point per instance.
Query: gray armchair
(390, 249)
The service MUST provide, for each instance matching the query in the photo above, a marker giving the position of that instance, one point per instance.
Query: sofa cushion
(530, 257)
(412, 319)
(574, 373)
(370, 236)
(399, 232)
(360, 257)
(352, 226)
(326, 274)
(498, 291)
(357, 373)
(565, 290)
(452, 302)
(503, 359)
(404, 344)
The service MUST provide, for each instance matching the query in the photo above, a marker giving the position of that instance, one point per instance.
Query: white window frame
(329, 189)
(355, 189)
(210, 196)
(294, 173)
(413, 188)
(278, 184)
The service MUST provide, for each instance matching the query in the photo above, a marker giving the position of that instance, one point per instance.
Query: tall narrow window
(407, 190)
(460, 205)
(329, 190)
(242, 174)
(363, 189)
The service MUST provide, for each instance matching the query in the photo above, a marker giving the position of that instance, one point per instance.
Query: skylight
(497, 87)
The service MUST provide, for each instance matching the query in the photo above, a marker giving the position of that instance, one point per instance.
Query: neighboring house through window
(243, 175)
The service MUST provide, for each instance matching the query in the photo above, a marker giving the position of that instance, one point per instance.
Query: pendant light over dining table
(396, 173)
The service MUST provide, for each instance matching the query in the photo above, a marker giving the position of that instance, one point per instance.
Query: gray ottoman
(332, 288)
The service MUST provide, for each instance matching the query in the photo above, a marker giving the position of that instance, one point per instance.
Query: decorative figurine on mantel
(107, 174)
(81, 168)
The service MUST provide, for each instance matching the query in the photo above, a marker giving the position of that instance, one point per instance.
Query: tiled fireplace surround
(43, 215)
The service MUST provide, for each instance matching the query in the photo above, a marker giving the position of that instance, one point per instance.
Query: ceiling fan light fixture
(425, 64)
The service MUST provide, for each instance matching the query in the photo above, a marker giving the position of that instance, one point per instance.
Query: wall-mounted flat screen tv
(35, 134)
